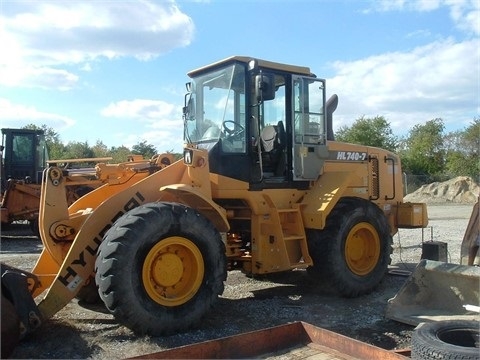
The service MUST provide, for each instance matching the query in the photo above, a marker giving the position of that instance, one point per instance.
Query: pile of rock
(461, 190)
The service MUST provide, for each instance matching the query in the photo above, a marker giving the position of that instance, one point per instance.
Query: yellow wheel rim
(362, 249)
(173, 271)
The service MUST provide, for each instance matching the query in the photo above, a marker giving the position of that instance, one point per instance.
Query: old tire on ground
(160, 268)
(447, 339)
(10, 328)
(352, 252)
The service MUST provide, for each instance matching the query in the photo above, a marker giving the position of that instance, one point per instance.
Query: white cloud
(464, 13)
(42, 37)
(35, 76)
(165, 140)
(400, 5)
(142, 109)
(16, 115)
(161, 120)
(435, 80)
(162, 140)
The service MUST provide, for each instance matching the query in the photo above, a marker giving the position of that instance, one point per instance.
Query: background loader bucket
(469, 253)
(437, 291)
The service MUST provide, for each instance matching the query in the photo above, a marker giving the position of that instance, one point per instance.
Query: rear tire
(449, 339)
(160, 268)
(352, 252)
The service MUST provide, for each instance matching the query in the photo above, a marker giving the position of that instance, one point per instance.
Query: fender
(196, 199)
(322, 197)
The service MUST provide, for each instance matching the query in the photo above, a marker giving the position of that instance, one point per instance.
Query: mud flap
(437, 291)
(17, 287)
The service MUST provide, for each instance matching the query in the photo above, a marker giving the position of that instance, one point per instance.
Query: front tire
(352, 252)
(160, 268)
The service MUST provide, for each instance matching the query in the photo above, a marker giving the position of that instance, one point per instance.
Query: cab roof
(302, 70)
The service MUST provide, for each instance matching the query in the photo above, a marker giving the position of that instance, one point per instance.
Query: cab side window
(309, 116)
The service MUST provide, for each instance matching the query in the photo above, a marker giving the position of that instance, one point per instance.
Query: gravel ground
(247, 304)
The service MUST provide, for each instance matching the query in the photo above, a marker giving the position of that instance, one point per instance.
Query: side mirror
(189, 108)
(265, 87)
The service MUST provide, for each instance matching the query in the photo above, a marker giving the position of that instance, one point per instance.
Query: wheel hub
(167, 270)
(173, 271)
(362, 249)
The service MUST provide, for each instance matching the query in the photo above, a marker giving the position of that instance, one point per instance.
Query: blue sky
(115, 71)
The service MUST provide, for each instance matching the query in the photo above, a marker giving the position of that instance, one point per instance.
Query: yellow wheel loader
(262, 187)
(24, 157)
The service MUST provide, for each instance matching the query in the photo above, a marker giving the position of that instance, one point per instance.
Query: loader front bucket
(19, 312)
(10, 328)
(437, 291)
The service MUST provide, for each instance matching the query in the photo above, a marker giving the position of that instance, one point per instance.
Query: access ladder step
(294, 237)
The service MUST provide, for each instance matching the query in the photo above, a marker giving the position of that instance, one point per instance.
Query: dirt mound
(461, 190)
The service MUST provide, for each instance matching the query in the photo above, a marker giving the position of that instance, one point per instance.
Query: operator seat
(268, 136)
(273, 140)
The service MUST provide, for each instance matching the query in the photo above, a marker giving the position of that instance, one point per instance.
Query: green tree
(119, 154)
(462, 151)
(50, 134)
(472, 136)
(55, 147)
(142, 148)
(422, 152)
(78, 150)
(370, 132)
(100, 149)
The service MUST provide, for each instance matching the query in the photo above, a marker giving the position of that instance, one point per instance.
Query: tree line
(57, 150)
(427, 151)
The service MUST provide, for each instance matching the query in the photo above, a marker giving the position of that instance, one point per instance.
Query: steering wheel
(237, 128)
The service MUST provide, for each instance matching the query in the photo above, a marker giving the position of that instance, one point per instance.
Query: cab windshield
(215, 109)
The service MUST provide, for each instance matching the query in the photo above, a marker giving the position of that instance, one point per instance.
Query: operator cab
(24, 155)
(262, 122)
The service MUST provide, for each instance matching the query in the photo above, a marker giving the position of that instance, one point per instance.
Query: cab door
(309, 128)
